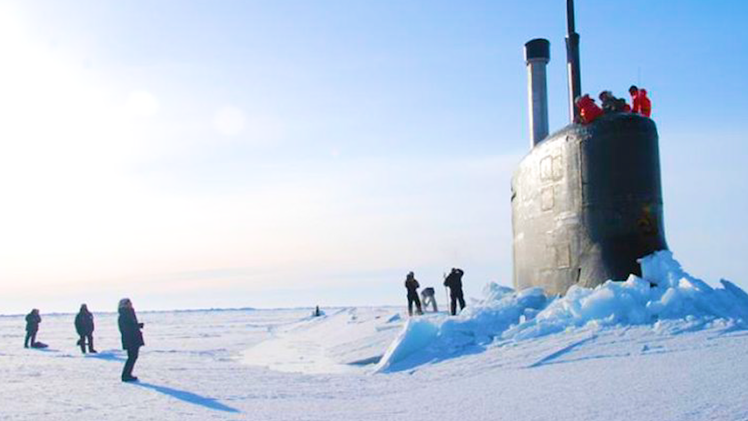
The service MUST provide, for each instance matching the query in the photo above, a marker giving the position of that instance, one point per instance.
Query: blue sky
(289, 153)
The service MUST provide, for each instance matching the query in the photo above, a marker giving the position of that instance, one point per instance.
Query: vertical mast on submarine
(572, 60)
(580, 215)
(537, 56)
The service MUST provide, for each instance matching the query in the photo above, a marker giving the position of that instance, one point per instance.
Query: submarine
(587, 199)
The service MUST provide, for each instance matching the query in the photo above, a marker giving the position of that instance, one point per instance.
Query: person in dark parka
(412, 286)
(32, 327)
(454, 282)
(428, 297)
(84, 325)
(611, 104)
(132, 338)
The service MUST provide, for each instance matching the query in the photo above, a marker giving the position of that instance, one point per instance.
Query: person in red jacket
(588, 110)
(639, 101)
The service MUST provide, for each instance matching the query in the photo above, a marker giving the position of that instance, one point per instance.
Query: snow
(345, 341)
(664, 292)
(416, 336)
(677, 350)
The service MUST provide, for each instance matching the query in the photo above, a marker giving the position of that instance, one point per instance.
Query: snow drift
(664, 292)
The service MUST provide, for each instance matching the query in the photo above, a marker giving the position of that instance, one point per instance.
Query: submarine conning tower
(586, 200)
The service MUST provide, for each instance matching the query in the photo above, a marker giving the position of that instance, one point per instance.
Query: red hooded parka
(641, 104)
(588, 110)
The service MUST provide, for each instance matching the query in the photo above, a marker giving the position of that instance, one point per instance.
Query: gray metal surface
(586, 203)
(537, 56)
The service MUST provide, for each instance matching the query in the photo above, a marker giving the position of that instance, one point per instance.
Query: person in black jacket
(132, 338)
(428, 298)
(32, 326)
(611, 104)
(454, 282)
(412, 286)
(84, 325)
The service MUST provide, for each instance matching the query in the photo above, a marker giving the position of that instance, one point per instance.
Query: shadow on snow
(182, 395)
(189, 397)
(108, 356)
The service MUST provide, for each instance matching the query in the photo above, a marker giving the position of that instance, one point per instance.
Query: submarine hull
(587, 203)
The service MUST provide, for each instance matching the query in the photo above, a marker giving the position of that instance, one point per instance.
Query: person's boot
(127, 374)
(90, 345)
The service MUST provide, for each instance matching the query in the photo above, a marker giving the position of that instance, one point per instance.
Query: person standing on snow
(640, 103)
(84, 325)
(132, 338)
(412, 286)
(32, 327)
(454, 282)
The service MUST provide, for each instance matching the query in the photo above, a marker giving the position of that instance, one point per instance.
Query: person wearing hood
(454, 282)
(588, 110)
(32, 327)
(612, 104)
(412, 286)
(640, 103)
(84, 325)
(428, 298)
(132, 337)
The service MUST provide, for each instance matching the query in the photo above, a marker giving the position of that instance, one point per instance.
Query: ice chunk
(394, 318)
(665, 291)
(415, 336)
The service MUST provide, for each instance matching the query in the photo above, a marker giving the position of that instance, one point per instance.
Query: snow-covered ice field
(192, 368)
(593, 355)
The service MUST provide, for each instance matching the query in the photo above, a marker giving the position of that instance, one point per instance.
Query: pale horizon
(293, 154)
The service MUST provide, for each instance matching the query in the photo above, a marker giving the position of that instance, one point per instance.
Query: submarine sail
(586, 200)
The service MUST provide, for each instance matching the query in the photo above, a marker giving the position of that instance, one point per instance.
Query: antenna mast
(572, 60)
